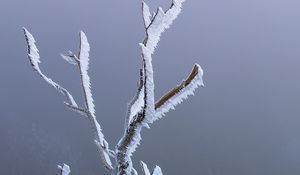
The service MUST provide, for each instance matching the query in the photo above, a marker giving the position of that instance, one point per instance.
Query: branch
(64, 170)
(145, 168)
(34, 58)
(83, 65)
(154, 27)
(179, 93)
(89, 110)
(137, 103)
(156, 171)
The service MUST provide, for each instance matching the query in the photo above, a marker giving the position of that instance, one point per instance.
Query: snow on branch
(70, 58)
(156, 171)
(137, 103)
(142, 110)
(83, 64)
(146, 14)
(160, 22)
(179, 93)
(34, 58)
(138, 118)
(64, 169)
(145, 168)
(89, 111)
(154, 26)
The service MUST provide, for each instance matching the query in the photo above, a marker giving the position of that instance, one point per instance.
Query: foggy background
(245, 121)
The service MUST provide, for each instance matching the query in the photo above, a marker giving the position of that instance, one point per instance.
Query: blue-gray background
(244, 121)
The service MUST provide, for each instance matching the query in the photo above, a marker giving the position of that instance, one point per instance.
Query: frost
(138, 118)
(134, 172)
(70, 58)
(137, 103)
(142, 110)
(157, 171)
(84, 66)
(148, 85)
(183, 94)
(64, 170)
(146, 14)
(83, 62)
(162, 21)
(34, 57)
(145, 168)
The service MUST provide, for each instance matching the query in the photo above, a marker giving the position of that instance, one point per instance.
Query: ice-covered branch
(137, 103)
(83, 65)
(138, 118)
(179, 93)
(142, 110)
(34, 58)
(64, 169)
(89, 111)
(156, 171)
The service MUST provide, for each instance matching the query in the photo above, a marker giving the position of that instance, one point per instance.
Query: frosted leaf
(157, 171)
(64, 170)
(34, 59)
(180, 93)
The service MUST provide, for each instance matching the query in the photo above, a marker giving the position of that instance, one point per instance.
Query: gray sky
(244, 121)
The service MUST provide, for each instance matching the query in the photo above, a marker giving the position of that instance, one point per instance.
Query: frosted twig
(82, 61)
(142, 110)
(83, 65)
(154, 25)
(34, 58)
(179, 93)
(64, 169)
(136, 103)
(156, 171)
